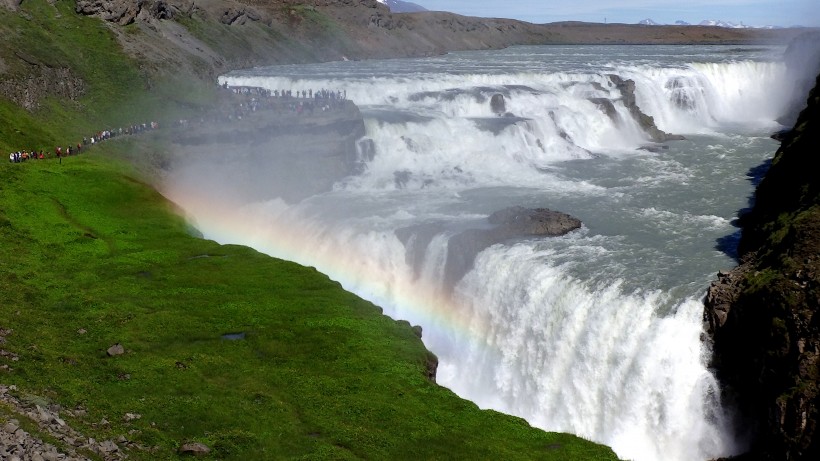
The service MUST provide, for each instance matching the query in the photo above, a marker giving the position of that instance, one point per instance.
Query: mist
(596, 331)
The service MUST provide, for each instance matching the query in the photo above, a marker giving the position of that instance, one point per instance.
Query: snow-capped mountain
(719, 23)
(648, 22)
(709, 22)
(398, 6)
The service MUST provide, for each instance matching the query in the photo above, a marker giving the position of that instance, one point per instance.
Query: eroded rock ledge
(503, 225)
(646, 122)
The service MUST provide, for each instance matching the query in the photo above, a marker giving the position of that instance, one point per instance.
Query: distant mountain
(713, 23)
(726, 24)
(398, 6)
(648, 22)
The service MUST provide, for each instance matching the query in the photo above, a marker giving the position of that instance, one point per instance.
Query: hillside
(125, 336)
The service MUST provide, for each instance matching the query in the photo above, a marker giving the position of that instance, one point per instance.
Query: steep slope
(124, 336)
(762, 315)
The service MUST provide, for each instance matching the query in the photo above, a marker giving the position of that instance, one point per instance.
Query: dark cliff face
(761, 315)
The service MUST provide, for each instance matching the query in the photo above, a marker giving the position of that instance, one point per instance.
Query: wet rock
(521, 222)
(463, 246)
(497, 104)
(606, 106)
(508, 224)
(646, 122)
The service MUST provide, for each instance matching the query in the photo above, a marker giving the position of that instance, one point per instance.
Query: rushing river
(596, 333)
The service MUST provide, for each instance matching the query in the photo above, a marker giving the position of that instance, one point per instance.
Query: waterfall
(597, 332)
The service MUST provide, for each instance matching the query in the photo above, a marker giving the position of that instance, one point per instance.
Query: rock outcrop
(762, 316)
(497, 104)
(124, 12)
(503, 225)
(40, 82)
(646, 122)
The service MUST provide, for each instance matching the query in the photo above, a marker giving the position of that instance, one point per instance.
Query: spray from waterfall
(595, 333)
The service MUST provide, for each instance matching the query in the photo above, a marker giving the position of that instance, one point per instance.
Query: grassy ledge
(92, 256)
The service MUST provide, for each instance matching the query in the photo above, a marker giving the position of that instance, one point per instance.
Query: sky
(750, 12)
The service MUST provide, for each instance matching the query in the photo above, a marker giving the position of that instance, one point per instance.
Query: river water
(596, 333)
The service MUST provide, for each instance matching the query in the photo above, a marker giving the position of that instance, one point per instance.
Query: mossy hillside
(92, 256)
(116, 92)
(287, 34)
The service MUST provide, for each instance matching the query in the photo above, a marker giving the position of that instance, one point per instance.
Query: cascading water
(595, 333)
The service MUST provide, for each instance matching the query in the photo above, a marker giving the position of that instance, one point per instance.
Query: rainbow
(274, 228)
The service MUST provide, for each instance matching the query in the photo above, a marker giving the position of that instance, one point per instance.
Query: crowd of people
(296, 101)
(70, 149)
(244, 101)
(303, 94)
(239, 102)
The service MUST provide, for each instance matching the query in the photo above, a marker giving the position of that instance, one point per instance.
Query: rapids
(598, 332)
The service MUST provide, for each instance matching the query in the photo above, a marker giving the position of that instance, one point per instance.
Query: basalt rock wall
(762, 316)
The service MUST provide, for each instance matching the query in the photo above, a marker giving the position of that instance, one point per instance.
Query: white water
(596, 333)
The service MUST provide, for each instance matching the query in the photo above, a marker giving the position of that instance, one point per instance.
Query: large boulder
(497, 104)
(503, 225)
(518, 221)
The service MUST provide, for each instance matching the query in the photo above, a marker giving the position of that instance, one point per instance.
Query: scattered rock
(107, 446)
(17, 444)
(194, 448)
(115, 350)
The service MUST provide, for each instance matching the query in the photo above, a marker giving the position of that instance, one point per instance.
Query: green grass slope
(92, 256)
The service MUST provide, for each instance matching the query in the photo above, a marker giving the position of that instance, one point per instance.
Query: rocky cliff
(204, 38)
(761, 315)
